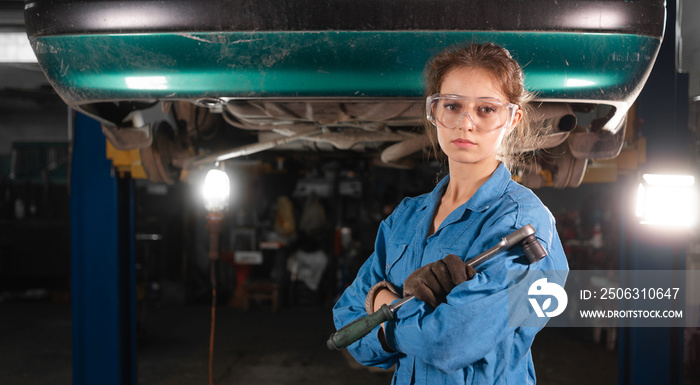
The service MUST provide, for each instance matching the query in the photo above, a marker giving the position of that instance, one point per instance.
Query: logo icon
(542, 287)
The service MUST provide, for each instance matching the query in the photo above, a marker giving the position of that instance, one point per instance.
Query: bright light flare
(667, 200)
(216, 190)
(146, 82)
(578, 83)
(15, 48)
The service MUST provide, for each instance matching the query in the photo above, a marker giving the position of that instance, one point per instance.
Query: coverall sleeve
(474, 320)
(351, 305)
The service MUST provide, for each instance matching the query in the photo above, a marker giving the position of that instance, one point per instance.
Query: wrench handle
(358, 328)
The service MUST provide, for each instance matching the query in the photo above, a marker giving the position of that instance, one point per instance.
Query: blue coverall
(468, 339)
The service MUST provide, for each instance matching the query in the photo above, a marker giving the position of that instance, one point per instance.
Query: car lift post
(655, 355)
(102, 262)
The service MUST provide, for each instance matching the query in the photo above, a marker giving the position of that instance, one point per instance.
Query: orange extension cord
(213, 318)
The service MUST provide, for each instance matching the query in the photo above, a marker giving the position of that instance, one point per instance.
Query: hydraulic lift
(102, 262)
(655, 355)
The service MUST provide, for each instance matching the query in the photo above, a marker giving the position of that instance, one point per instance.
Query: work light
(216, 191)
(667, 200)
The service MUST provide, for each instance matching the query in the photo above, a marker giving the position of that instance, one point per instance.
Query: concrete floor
(255, 347)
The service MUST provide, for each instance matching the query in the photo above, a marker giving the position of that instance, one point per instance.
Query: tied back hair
(500, 64)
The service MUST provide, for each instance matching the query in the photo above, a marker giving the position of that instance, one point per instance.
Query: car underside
(190, 83)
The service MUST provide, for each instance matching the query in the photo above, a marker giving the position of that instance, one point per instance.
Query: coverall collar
(486, 196)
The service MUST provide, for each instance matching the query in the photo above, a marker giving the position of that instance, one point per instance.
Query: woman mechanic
(458, 330)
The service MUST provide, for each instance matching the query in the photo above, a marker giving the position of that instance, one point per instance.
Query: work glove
(369, 300)
(432, 282)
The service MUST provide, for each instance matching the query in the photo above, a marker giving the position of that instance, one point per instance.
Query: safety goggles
(485, 114)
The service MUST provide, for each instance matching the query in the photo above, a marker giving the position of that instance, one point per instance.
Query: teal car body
(559, 65)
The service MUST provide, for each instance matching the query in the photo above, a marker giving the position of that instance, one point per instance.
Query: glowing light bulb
(216, 190)
(667, 200)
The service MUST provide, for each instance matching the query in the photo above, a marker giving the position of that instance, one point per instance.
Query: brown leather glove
(432, 282)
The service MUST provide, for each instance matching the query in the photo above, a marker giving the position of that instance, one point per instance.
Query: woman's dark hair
(497, 61)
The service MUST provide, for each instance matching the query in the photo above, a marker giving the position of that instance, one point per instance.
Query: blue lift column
(102, 262)
(655, 355)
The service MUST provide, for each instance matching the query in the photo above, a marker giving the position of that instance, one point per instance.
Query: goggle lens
(487, 115)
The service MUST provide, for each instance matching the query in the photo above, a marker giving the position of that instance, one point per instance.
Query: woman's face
(464, 143)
